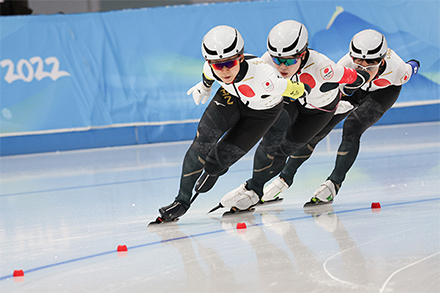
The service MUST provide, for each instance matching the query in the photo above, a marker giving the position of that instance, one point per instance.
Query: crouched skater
(242, 110)
(368, 52)
(301, 120)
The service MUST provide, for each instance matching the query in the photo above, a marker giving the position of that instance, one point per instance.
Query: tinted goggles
(228, 64)
(370, 68)
(287, 62)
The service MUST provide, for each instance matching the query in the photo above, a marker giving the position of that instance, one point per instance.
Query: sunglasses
(228, 64)
(370, 68)
(287, 62)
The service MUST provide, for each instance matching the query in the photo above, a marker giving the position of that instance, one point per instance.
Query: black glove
(362, 78)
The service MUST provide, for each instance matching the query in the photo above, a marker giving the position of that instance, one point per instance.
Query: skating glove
(200, 93)
(415, 66)
(362, 78)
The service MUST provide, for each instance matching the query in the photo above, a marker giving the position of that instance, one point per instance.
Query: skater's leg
(306, 125)
(371, 109)
(238, 141)
(241, 138)
(266, 158)
(304, 153)
(367, 114)
(216, 120)
(355, 124)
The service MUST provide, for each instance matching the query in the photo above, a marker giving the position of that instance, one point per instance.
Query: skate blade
(234, 212)
(160, 220)
(216, 208)
(269, 202)
(317, 209)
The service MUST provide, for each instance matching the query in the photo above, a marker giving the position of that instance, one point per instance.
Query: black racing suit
(237, 127)
(369, 108)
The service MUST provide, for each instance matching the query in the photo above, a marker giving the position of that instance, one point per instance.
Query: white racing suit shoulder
(260, 88)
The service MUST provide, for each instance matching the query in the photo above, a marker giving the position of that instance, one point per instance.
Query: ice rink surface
(63, 215)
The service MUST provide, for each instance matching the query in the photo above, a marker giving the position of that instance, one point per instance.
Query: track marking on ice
(222, 231)
(340, 252)
(382, 289)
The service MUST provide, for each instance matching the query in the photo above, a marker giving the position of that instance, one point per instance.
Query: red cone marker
(18, 276)
(241, 226)
(375, 207)
(122, 250)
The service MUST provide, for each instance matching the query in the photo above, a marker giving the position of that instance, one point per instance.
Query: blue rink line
(99, 185)
(88, 186)
(204, 234)
(166, 178)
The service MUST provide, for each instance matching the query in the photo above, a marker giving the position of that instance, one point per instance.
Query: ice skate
(269, 202)
(170, 213)
(272, 191)
(235, 211)
(323, 195)
(316, 202)
(238, 200)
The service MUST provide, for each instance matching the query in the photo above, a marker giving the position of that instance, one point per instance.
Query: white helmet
(222, 42)
(288, 38)
(368, 44)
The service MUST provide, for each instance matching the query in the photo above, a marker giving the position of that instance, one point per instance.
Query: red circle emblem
(307, 79)
(381, 82)
(246, 90)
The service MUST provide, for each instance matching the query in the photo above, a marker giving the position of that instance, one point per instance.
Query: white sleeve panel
(402, 70)
(346, 61)
(267, 58)
(269, 74)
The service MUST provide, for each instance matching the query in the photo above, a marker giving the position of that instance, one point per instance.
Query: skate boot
(273, 190)
(172, 212)
(324, 194)
(240, 198)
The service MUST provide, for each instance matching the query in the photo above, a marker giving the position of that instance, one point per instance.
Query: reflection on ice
(63, 216)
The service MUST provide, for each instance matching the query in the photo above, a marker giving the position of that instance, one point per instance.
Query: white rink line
(346, 282)
(401, 269)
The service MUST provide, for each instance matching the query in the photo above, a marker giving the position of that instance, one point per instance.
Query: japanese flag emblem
(268, 85)
(327, 72)
(404, 78)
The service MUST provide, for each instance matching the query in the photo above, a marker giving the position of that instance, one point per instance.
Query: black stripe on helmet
(270, 46)
(233, 45)
(354, 49)
(210, 52)
(294, 44)
(376, 50)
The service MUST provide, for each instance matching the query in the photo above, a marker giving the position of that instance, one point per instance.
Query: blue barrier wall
(120, 78)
